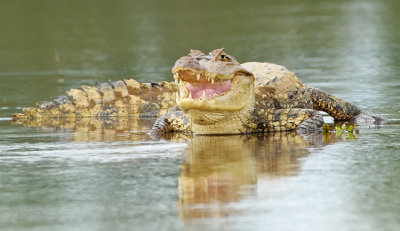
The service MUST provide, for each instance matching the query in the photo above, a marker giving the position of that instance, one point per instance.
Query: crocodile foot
(313, 124)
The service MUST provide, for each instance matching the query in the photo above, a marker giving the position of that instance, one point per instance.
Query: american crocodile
(212, 94)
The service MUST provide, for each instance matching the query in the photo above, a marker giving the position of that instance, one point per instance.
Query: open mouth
(207, 90)
(202, 85)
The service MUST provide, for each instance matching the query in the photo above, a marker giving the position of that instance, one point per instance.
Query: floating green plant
(341, 130)
(350, 129)
(326, 128)
(352, 136)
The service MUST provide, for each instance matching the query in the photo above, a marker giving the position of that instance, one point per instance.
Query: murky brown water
(103, 176)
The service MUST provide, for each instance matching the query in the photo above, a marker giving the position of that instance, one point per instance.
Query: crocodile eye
(224, 58)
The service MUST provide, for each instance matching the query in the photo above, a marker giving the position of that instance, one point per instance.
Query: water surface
(104, 176)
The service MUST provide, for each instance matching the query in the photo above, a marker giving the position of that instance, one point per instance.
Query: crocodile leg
(295, 119)
(173, 121)
(340, 109)
(334, 106)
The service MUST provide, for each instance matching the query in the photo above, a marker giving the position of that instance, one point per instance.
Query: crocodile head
(212, 88)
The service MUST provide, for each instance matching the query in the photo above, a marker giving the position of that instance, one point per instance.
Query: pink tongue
(197, 89)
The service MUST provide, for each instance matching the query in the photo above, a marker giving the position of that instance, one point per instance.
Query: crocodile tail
(122, 98)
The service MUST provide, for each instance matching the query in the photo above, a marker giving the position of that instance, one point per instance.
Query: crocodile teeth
(198, 76)
(177, 95)
(212, 81)
(204, 94)
(190, 95)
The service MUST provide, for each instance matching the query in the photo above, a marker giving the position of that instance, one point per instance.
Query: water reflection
(97, 129)
(221, 170)
(217, 171)
(214, 172)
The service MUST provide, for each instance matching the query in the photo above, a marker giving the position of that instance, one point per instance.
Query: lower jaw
(217, 123)
(210, 105)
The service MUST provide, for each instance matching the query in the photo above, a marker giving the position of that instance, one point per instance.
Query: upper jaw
(200, 75)
(196, 84)
(208, 66)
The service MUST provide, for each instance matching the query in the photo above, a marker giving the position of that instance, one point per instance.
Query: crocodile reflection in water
(97, 129)
(220, 170)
